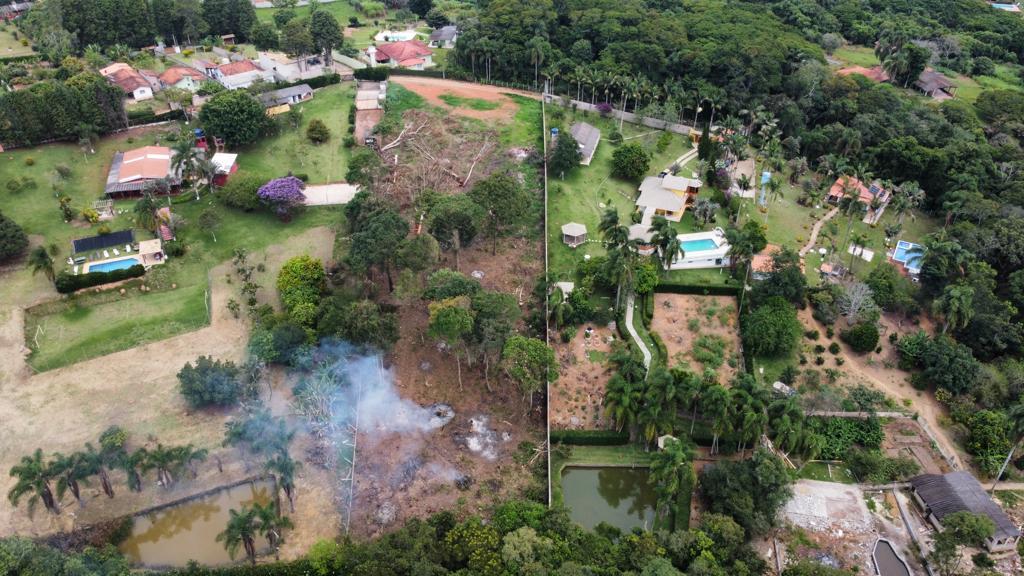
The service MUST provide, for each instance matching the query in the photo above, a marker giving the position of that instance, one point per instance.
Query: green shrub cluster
(876, 468)
(842, 433)
(67, 283)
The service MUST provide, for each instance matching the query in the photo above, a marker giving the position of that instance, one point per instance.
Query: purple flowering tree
(283, 195)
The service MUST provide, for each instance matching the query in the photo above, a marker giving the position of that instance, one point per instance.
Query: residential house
(940, 495)
(235, 75)
(667, 196)
(935, 85)
(873, 197)
(12, 10)
(587, 137)
(411, 54)
(288, 69)
(444, 37)
(129, 80)
(761, 264)
(291, 95)
(182, 78)
(131, 171)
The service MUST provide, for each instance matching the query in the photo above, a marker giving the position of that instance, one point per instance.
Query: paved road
(632, 332)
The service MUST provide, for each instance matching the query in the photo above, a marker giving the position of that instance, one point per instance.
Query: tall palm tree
(188, 456)
(860, 239)
(100, 463)
(133, 464)
(715, 406)
(672, 470)
(39, 260)
(613, 233)
(622, 264)
(241, 531)
(665, 238)
(704, 210)
(688, 390)
(283, 468)
(774, 189)
(956, 305)
(271, 524)
(73, 470)
(537, 47)
(907, 196)
(1016, 431)
(622, 402)
(145, 211)
(166, 461)
(34, 476)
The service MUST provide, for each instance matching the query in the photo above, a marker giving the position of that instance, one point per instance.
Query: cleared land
(578, 394)
(463, 98)
(699, 331)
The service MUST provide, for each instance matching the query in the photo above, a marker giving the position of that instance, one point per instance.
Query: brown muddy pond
(887, 562)
(177, 533)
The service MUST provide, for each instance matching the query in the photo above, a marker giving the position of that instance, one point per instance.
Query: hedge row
(321, 81)
(139, 117)
(590, 437)
(68, 283)
(295, 568)
(376, 73)
(680, 288)
(661, 349)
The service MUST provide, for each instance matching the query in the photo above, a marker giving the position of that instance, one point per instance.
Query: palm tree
(34, 477)
(812, 444)
(622, 402)
(622, 264)
(283, 468)
(665, 238)
(907, 197)
(715, 406)
(1016, 418)
(741, 248)
(860, 239)
(241, 531)
(183, 156)
(774, 189)
(99, 462)
(207, 170)
(537, 46)
(654, 419)
(671, 470)
(271, 524)
(166, 462)
(613, 233)
(704, 210)
(39, 260)
(145, 211)
(188, 456)
(956, 305)
(561, 309)
(744, 182)
(73, 470)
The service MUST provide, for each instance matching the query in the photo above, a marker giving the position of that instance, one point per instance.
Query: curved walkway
(817, 228)
(632, 332)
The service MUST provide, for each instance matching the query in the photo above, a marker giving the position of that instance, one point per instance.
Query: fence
(627, 116)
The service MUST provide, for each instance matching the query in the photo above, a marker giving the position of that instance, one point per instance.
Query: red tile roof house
(235, 75)
(131, 170)
(867, 195)
(129, 80)
(411, 54)
(182, 77)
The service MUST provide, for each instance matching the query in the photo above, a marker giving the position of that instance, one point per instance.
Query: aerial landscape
(511, 287)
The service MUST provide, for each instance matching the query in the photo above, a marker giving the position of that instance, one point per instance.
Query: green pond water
(188, 531)
(622, 497)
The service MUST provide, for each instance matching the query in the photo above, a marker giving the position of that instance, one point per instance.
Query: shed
(587, 136)
(940, 495)
(574, 234)
(226, 166)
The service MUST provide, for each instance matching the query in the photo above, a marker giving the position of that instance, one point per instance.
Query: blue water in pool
(115, 265)
(901, 254)
(698, 245)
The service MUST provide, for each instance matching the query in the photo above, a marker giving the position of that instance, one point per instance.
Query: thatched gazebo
(574, 234)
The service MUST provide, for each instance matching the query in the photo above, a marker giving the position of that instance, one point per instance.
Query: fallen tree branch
(403, 134)
(475, 160)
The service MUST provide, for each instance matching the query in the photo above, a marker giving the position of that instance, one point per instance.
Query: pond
(177, 533)
(622, 497)
(887, 562)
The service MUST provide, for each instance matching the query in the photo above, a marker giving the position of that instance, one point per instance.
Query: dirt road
(433, 88)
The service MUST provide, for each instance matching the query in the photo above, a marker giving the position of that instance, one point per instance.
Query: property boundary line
(547, 314)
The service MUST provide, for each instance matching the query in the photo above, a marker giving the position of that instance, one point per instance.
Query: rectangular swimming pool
(701, 245)
(113, 265)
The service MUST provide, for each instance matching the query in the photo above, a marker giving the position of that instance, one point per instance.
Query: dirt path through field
(137, 389)
(433, 88)
(893, 382)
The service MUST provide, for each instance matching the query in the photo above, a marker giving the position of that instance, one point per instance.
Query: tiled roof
(402, 51)
(148, 162)
(175, 74)
(239, 67)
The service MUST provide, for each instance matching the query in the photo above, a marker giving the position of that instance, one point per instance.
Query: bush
(317, 131)
(862, 338)
(209, 383)
(590, 437)
(174, 248)
(630, 162)
(13, 240)
(873, 467)
(812, 334)
(772, 329)
(842, 433)
(834, 348)
(30, 161)
(67, 283)
(348, 141)
(299, 285)
(376, 73)
(241, 192)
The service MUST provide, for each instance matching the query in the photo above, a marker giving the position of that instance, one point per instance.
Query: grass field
(471, 103)
(969, 88)
(584, 194)
(826, 472)
(854, 55)
(292, 151)
(10, 47)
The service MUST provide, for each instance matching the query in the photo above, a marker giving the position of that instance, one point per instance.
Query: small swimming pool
(113, 265)
(702, 245)
(903, 256)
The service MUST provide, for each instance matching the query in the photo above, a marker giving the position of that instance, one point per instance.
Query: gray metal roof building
(945, 494)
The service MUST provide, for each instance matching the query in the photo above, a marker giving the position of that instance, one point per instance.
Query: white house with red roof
(235, 75)
(411, 54)
(129, 80)
(182, 77)
(873, 197)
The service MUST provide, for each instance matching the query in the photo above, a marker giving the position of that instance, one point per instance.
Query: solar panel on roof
(119, 238)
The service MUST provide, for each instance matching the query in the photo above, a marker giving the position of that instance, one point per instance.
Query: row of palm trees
(744, 411)
(48, 480)
(246, 525)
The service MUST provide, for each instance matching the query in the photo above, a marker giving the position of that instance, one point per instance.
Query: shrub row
(321, 81)
(377, 73)
(139, 117)
(661, 349)
(590, 437)
(68, 283)
(300, 567)
(680, 288)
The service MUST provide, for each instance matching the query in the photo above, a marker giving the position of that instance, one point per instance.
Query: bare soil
(366, 121)
(905, 438)
(432, 88)
(577, 396)
(714, 315)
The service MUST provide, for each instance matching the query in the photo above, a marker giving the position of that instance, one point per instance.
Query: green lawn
(10, 47)
(471, 103)
(854, 55)
(584, 194)
(292, 151)
(826, 472)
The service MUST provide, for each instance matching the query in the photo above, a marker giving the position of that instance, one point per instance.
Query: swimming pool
(113, 265)
(903, 256)
(701, 245)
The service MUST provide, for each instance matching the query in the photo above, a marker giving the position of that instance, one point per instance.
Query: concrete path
(632, 332)
(329, 194)
(815, 230)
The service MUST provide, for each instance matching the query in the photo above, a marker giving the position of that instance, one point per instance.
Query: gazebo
(574, 234)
